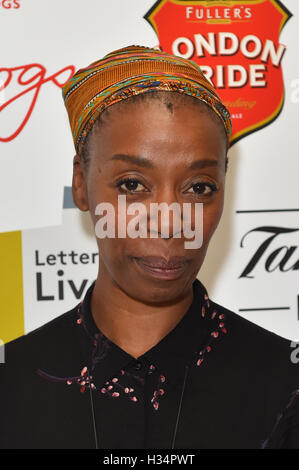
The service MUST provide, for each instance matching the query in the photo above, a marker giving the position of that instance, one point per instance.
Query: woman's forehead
(153, 131)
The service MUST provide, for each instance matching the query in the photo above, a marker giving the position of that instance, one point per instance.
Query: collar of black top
(181, 346)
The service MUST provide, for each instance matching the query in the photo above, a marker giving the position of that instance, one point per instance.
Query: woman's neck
(131, 324)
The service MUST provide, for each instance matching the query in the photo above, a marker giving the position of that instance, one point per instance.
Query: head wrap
(128, 72)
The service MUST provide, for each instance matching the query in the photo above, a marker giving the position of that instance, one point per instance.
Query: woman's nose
(165, 214)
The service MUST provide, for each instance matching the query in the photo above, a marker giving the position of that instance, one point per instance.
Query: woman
(147, 360)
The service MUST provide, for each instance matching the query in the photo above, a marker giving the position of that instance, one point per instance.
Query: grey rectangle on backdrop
(2, 352)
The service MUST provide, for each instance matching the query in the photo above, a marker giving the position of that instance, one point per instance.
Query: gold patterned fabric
(130, 71)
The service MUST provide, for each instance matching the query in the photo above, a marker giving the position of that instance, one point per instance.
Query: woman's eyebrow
(198, 164)
(144, 162)
(136, 160)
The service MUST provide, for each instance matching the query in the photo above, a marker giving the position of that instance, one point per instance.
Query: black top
(216, 381)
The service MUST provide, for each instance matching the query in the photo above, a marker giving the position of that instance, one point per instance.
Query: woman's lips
(163, 268)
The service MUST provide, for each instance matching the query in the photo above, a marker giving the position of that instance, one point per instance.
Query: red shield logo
(236, 44)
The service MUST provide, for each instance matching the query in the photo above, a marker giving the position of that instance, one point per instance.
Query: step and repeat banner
(249, 50)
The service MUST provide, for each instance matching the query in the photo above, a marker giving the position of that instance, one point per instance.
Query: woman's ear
(79, 188)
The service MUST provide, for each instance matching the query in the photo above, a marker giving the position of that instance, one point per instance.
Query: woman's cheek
(211, 218)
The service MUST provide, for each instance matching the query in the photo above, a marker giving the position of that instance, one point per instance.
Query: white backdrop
(261, 189)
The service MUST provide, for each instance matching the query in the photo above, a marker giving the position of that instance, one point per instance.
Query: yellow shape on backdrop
(11, 286)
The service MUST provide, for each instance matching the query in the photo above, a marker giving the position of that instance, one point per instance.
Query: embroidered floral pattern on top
(121, 383)
(83, 380)
(214, 334)
(159, 392)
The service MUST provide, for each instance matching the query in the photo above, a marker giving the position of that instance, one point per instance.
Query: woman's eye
(203, 188)
(130, 185)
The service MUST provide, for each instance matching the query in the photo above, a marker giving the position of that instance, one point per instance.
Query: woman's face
(167, 154)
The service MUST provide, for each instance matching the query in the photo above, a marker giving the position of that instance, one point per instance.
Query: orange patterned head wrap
(128, 72)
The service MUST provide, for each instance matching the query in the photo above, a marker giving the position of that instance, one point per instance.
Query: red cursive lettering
(34, 82)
